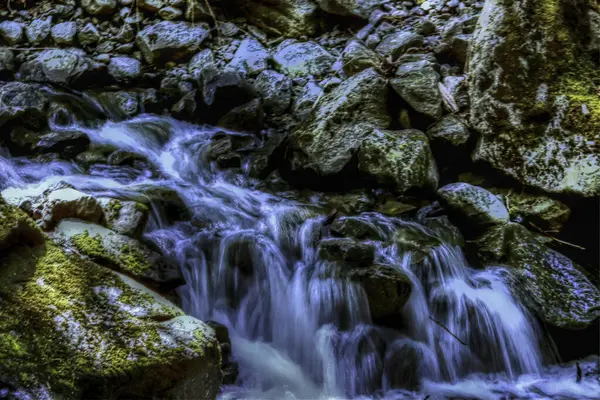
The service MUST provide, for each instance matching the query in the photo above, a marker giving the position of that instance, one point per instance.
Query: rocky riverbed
(160, 160)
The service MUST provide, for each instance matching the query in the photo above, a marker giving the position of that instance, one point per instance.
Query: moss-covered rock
(16, 227)
(347, 251)
(417, 83)
(357, 57)
(357, 227)
(546, 281)
(119, 252)
(474, 203)
(534, 93)
(289, 18)
(125, 217)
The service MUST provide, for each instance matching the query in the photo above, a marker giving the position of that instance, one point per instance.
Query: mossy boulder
(120, 252)
(348, 251)
(533, 84)
(400, 159)
(128, 218)
(17, 227)
(298, 59)
(546, 281)
(417, 83)
(339, 124)
(477, 205)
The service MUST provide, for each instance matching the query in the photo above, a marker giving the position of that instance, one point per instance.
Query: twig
(555, 239)
(447, 330)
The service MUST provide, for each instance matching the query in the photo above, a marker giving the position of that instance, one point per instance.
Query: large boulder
(289, 18)
(546, 281)
(401, 159)
(474, 203)
(534, 95)
(171, 41)
(78, 330)
(341, 121)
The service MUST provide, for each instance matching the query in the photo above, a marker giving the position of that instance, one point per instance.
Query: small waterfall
(299, 328)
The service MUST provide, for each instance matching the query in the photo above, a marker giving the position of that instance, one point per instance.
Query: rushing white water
(299, 329)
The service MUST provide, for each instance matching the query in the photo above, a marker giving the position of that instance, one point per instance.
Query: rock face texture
(532, 93)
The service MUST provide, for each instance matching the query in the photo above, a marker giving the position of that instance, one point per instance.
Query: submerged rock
(546, 281)
(474, 203)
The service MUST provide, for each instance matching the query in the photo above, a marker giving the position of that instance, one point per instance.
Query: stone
(127, 218)
(38, 30)
(99, 7)
(200, 62)
(455, 87)
(356, 57)
(303, 59)
(350, 203)
(387, 289)
(55, 66)
(65, 143)
(418, 84)
(120, 105)
(288, 18)
(474, 203)
(401, 159)
(357, 227)
(450, 130)
(64, 33)
(248, 117)
(222, 91)
(12, 32)
(16, 228)
(171, 41)
(126, 34)
(275, 90)
(307, 100)
(152, 5)
(119, 252)
(170, 13)
(88, 35)
(547, 282)
(528, 84)
(22, 101)
(7, 61)
(347, 251)
(125, 68)
(251, 57)
(348, 8)
(542, 211)
(344, 118)
(397, 43)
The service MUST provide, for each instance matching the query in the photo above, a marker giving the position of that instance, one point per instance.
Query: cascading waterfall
(299, 328)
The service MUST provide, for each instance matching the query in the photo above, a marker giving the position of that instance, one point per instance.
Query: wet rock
(88, 35)
(356, 57)
(66, 143)
(222, 91)
(543, 212)
(356, 227)
(7, 62)
(350, 203)
(38, 30)
(474, 203)
(125, 68)
(247, 117)
(307, 101)
(288, 18)
(396, 44)
(409, 238)
(127, 218)
(450, 130)
(22, 101)
(275, 90)
(347, 251)
(120, 252)
(55, 66)
(122, 157)
(303, 59)
(386, 287)
(546, 281)
(12, 32)
(528, 95)
(64, 33)
(251, 57)
(171, 41)
(120, 105)
(344, 118)
(347, 8)
(401, 159)
(417, 83)
(99, 7)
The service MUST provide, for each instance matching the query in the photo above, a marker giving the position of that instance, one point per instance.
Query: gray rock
(170, 13)
(356, 57)
(38, 30)
(449, 130)
(66, 143)
(401, 159)
(12, 32)
(347, 251)
(343, 119)
(288, 18)
(171, 41)
(418, 84)
(303, 59)
(88, 35)
(550, 284)
(306, 102)
(7, 61)
(528, 85)
(125, 68)
(99, 7)
(275, 89)
(126, 34)
(55, 66)
(396, 44)
(23, 101)
(251, 57)
(64, 33)
(127, 218)
(474, 203)
(201, 61)
(456, 88)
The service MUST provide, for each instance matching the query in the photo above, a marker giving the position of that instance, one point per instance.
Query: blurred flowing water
(300, 328)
